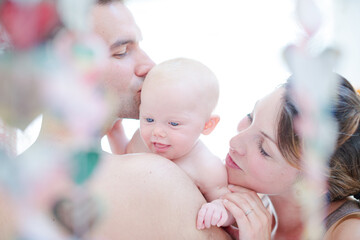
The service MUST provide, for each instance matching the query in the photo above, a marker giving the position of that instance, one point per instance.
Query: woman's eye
(249, 117)
(174, 124)
(262, 151)
(149, 120)
(244, 123)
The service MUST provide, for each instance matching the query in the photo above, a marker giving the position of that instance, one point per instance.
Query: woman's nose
(159, 132)
(237, 144)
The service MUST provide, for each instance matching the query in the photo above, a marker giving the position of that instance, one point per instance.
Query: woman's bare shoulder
(349, 228)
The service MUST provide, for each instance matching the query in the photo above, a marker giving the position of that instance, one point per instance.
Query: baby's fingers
(215, 217)
(208, 217)
(201, 216)
(224, 218)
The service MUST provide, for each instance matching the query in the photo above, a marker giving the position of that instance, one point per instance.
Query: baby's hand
(211, 214)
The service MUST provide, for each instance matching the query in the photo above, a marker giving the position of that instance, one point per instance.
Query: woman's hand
(252, 218)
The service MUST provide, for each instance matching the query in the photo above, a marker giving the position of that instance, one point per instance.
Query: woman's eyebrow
(263, 133)
(268, 137)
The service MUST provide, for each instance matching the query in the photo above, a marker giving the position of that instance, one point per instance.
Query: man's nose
(144, 65)
(159, 132)
(238, 144)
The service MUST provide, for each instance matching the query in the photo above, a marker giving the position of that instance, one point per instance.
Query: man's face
(128, 63)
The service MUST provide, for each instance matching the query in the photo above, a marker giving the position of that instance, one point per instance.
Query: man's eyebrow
(119, 43)
(268, 137)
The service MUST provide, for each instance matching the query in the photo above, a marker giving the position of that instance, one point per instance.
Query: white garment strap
(267, 203)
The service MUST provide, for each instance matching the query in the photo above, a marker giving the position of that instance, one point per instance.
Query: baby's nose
(159, 132)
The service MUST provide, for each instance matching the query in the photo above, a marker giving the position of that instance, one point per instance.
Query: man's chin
(128, 114)
(131, 117)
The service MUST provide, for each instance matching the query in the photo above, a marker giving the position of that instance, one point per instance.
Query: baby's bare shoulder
(209, 160)
(211, 171)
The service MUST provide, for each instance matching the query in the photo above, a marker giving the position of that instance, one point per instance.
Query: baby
(177, 100)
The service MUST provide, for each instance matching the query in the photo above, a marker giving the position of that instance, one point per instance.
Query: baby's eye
(149, 120)
(174, 124)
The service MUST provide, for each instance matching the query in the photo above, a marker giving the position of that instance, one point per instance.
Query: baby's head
(177, 100)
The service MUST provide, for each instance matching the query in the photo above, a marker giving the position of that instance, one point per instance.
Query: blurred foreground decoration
(28, 22)
(7, 139)
(20, 98)
(51, 70)
(313, 87)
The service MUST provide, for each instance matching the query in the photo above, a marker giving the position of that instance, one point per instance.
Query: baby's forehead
(177, 97)
(179, 74)
(185, 80)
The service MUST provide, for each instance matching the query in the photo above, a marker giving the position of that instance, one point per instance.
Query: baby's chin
(166, 154)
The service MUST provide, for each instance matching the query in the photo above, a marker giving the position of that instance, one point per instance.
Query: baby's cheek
(145, 135)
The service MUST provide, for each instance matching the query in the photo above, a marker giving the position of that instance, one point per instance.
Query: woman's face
(254, 160)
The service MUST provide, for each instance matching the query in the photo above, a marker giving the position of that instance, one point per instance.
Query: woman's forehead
(272, 101)
(267, 109)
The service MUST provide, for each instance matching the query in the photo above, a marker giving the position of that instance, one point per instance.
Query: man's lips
(230, 163)
(159, 147)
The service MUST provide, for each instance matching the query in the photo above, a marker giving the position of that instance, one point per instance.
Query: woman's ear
(211, 124)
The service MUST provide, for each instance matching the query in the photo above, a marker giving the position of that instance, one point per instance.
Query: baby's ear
(211, 124)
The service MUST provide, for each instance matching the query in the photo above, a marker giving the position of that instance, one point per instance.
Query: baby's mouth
(160, 147)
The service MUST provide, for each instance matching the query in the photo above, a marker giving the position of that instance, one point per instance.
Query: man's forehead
(115, 24)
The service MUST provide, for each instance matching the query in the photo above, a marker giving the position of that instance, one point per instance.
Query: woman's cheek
(233, 176)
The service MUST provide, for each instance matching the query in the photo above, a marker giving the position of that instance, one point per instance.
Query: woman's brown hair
(344, 164)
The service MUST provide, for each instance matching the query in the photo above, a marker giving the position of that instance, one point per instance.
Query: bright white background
(241, 41)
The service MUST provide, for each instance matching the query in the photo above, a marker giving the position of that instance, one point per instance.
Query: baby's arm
(214, 212)
(136, 144)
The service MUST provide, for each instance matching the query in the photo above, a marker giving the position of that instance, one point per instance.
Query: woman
(266, 159)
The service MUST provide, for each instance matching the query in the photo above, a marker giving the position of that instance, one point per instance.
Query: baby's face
(169, 122)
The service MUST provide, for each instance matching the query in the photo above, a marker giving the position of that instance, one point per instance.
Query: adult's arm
(117, 138)
(146, 196)
(136, 144)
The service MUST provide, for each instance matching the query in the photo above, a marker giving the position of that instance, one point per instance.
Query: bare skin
(138, 203)
(141, 205)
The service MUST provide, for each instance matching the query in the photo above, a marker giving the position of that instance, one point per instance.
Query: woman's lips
(230, 163)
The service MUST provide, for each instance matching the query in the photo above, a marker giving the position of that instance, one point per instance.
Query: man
(144, 196)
